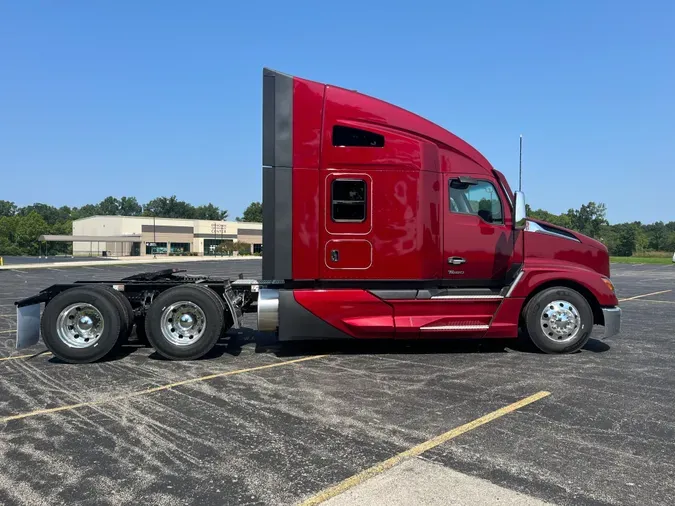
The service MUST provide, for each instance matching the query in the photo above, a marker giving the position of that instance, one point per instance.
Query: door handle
(456, 260)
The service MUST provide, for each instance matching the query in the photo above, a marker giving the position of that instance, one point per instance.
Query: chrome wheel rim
(183, 323)
(560, 321)
(80, 325)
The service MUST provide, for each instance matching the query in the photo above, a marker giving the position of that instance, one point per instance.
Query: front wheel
(559, 320)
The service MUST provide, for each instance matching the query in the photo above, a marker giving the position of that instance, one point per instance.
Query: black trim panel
(428, 293)
(395, 294)
(298, 324)
(277, 174)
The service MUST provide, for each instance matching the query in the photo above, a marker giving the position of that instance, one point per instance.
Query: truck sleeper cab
(377, 224)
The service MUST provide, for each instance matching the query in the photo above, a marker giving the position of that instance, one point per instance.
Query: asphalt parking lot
(255, 424)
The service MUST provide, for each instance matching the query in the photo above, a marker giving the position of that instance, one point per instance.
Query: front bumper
(612, 321)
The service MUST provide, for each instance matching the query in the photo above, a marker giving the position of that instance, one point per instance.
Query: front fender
(536, 275)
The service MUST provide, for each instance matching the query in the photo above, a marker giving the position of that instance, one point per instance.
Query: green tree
(170, 207)
(657, 235)
(84, 212)
(28, 229)
(129, 206)
(562, 220)
(589, 218)
(7, 208)
(669, 242)
(627, 241)
(49, 214)
(210, 212)
(109, 206)
(64, 213)
(252, 214)
(8, 227)
(243, 248)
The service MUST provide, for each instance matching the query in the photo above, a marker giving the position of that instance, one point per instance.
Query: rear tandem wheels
(182, 318)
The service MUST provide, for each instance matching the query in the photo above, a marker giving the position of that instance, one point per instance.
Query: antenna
(520, 165)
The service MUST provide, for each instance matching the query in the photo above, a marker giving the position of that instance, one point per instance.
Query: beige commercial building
(141, 235)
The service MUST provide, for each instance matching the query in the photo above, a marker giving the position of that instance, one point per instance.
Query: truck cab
(378, 223)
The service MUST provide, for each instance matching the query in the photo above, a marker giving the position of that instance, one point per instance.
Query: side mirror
(520, 214)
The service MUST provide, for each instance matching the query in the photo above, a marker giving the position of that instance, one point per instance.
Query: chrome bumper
(612, 321)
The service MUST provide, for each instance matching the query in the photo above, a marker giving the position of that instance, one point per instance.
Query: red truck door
(477, 231)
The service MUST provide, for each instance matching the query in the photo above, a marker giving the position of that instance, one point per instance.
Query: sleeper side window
(348, 200)
(480, 199)
(344, 136)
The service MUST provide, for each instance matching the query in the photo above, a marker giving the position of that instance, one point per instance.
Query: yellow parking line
(659, 301)
(7, 331)
(418, 450)
(645, 295)
(155, 389)
(25, 356)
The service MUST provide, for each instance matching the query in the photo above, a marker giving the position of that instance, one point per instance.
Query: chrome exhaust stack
(268, 310)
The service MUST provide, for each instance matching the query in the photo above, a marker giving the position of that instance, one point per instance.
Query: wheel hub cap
(183, 323)
(80, 325)
(560, 321)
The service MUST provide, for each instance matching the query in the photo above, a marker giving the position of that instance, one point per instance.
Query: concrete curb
(136, 260)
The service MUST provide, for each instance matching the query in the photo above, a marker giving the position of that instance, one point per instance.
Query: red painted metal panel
(349, 254)
(306, 252)
(487, 247)
(355, 312)
(589, 252)
(540, 271)
(505, 322)
(412, 315)
(307, 115)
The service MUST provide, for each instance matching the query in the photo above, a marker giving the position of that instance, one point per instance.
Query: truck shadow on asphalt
(243, 338)
(238, 340)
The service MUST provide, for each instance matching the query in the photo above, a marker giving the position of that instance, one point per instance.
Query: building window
(479, 198)
(180, 247)
(354, 137)
(219, 247)
(155, 248)
(348, 200)
(257, 249)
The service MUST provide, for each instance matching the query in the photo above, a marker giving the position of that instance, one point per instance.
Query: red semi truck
(377, 224)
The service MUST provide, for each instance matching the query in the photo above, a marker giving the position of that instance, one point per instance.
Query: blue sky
(163, 97)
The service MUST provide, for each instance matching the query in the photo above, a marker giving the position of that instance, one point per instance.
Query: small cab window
(355, 137)
(348, 198)
(479, 198)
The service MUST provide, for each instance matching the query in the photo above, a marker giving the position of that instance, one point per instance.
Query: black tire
(551, 341)
(126, 310)
(213, 311)
(109, 339)
(227, 319)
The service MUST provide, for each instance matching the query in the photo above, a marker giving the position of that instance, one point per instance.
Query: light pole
(154, 237)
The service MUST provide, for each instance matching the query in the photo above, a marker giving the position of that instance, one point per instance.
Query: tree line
(20, 227)
(622, 239)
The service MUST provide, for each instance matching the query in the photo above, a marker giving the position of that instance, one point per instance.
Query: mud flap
(27, 326)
